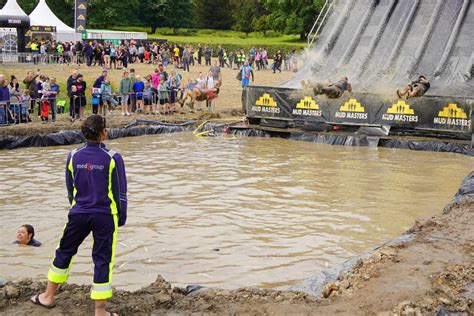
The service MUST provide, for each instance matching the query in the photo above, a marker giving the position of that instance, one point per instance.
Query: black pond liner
(75, 137)
(347, 139)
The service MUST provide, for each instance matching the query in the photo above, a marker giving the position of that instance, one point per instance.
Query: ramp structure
(382, 45)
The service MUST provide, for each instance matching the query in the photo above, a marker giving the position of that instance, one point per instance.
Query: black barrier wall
(364, 109)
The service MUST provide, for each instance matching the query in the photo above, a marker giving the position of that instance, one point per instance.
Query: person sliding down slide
(415, 89)
(331, 90)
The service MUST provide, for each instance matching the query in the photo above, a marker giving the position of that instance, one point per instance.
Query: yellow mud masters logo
(452, 115)
(352, 109)
(307, 107)
(266, 104)
(400, 112)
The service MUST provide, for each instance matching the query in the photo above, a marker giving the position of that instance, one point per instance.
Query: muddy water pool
(228, 211)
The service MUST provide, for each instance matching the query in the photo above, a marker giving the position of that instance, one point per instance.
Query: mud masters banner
(80, 15)
(432, 113)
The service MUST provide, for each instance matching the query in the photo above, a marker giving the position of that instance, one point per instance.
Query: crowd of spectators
(159, 92)
(108, 55)
(155, 93)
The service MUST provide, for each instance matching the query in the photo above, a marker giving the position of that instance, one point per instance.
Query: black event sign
(80, 16)
(429, 113)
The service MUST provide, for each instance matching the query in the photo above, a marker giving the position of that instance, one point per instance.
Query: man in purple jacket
(97, 191)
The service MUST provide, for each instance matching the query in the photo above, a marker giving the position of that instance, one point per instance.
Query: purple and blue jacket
(96, 182)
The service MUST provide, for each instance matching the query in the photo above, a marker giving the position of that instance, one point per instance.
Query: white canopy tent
(12, 8)
(43, 16)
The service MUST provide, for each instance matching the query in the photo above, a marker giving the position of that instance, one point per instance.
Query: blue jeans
(53, 108)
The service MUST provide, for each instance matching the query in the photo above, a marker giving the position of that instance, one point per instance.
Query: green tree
(213, 14)
(261, 24)
(244, 16)
(167, 13)
(293, 16)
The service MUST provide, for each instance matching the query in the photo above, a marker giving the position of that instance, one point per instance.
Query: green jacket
(126, 86)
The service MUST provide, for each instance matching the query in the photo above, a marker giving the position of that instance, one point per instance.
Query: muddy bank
(430, 272)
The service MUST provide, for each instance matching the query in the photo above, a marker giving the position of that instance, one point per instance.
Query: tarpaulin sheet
(361, 109)
(359, 140)
(75, 137)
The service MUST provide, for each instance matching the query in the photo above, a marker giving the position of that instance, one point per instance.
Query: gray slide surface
(381, 45)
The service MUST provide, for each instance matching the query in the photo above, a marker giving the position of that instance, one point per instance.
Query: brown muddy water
(229, 212)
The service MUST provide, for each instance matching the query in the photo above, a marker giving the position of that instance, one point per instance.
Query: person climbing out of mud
(415, 89)
(331, 90)
(200, 95)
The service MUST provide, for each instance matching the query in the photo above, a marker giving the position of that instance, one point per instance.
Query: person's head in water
(94, 129)
(344, 78)
(422, 78)
(24, 234)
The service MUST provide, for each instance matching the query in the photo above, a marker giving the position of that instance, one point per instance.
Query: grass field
(206, 36)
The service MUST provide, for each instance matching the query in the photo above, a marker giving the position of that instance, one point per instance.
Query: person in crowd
(186, 59)
(199, 54)
(78, 90)
(45, 99)
(216, 71)
(207, 55)
(416, 88)
(39, 89)
(31, 85)
(88, 53)
(98, 84)
(138, 88)
(163, 98)
(277, 61)
(126, 88)
(247, 72)
(26, 236)
(331, 90)
(173, 84)
(97, 190)
(4, 91)
(113, 57)
(15, 91)
(147, 98)
(133, 96)
(70, 82)
(107, 98)
(53, 94)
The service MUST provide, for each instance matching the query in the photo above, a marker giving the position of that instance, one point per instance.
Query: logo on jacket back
(89, 167)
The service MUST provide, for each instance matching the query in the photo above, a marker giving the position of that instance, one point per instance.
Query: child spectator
(45, 101)
(163, 97)
(147, 97)
(125, 90)
(95, 100)
(138, 88)
(106, 93)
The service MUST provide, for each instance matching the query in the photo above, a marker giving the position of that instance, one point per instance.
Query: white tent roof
(43, 16)
(12, 8)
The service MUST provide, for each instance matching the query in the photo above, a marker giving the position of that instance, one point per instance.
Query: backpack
(239, 75)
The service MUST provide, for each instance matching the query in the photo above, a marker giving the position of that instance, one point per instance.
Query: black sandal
(37, 301)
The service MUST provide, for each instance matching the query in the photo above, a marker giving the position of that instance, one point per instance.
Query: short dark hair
(30, 229)
(422, 77)
(93, 126)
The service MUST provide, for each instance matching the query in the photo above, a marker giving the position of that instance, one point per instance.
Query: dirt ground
(227, 106)
(434, 268)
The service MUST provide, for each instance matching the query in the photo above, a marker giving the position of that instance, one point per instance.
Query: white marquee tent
(12, 8)
(43, 16)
